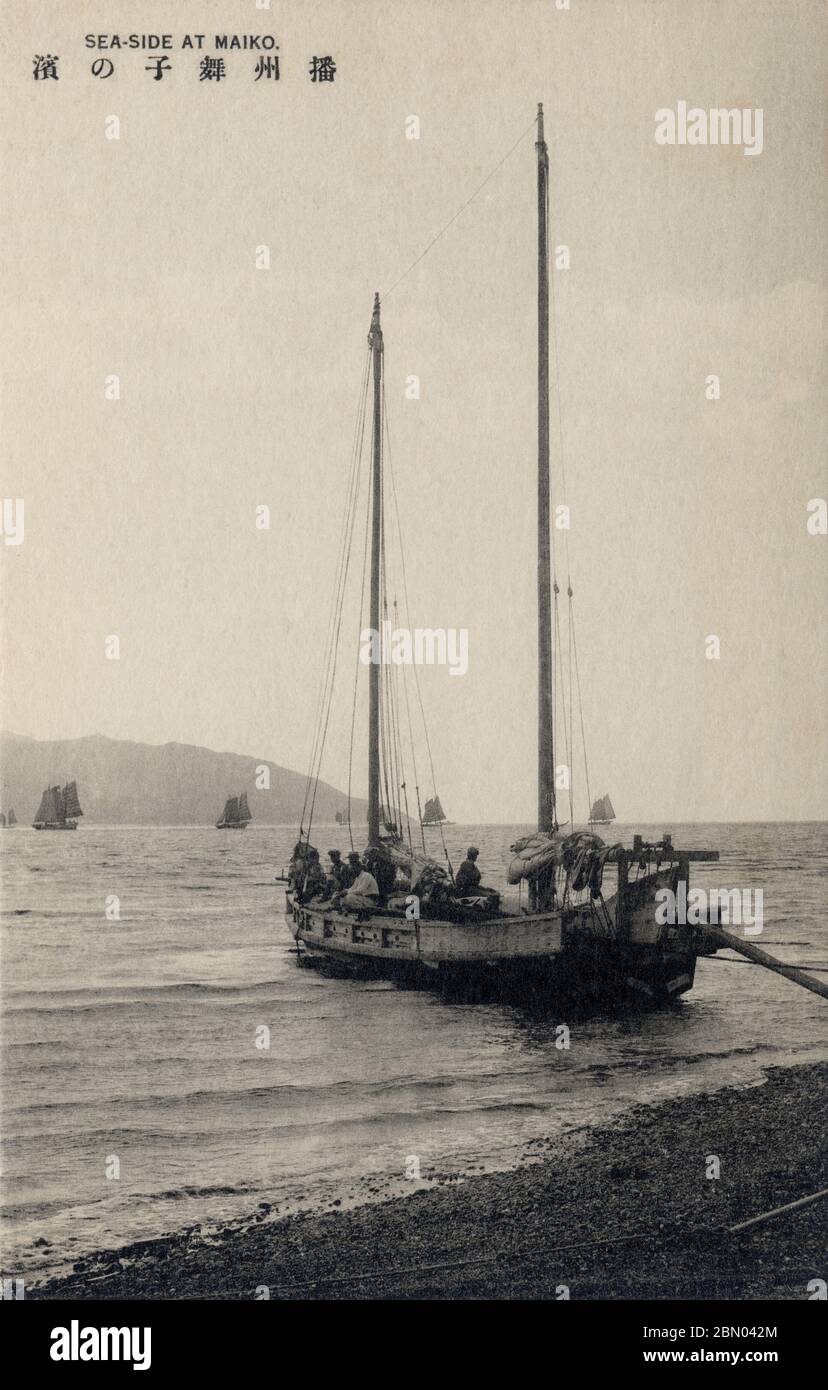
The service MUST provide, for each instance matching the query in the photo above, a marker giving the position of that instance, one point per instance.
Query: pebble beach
(639, 1209)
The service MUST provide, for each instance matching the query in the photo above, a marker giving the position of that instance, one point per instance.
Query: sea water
(168, 1061)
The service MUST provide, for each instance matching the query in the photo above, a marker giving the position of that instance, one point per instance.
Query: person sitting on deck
(363, 895)
(383, 868)
(467, 881)
(298, 865)
(314, 881)
(350, 872)
(335, 870)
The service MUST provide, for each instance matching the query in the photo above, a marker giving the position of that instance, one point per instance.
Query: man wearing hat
(350, 872)
(335, 870)
(314, 881)
(467, 881)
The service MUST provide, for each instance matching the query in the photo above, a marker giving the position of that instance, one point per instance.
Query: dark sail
(608, 811)
(433, 812)
(12, 817)
(50, 811)
(71, 805)
(244, 809)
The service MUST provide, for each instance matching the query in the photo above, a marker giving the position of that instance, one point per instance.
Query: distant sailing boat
(602, 812)
(59, 810)
(569, 939)
(10, 823)
(236, 813)
(433, 813)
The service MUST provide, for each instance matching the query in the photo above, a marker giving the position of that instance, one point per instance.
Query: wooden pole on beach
(778, 1211)
(751, 952)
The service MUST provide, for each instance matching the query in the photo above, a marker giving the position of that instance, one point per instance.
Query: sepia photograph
(414, 597)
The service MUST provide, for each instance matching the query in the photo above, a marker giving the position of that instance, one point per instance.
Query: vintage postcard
(413, 796)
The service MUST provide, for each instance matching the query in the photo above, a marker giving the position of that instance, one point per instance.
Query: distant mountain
(125, 783)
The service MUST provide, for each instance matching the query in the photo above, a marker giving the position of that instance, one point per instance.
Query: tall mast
(375, 344)
(546, 750)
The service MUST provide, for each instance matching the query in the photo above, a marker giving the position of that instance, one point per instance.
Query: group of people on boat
(359, 881)
(362, 882)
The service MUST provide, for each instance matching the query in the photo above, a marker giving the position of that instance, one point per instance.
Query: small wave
(32, 1210)
(178, 1194)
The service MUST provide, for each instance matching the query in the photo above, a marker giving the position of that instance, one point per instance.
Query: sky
(136, 257)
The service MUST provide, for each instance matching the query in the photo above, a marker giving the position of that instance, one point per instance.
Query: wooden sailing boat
(236, 813)
(433, 813)
(8, 823)
(571, 938)
(602, 812)
(59, 809)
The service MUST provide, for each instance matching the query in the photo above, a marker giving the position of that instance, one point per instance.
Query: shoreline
(626, 1212)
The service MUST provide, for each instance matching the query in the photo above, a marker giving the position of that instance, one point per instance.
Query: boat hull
(242, 825)
(68, 825)
(590, 955)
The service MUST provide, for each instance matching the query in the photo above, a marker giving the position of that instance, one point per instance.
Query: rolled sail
(534, 853)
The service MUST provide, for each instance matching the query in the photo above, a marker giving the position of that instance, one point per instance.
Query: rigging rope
(356, 672)
(391, 755)
(573, 650)
(459, 212)
(334, 626)
(353, 713)
(408, 621)
(567, 735)
(580, 707)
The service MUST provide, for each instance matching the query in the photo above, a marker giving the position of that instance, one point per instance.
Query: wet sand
(625, 1212)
